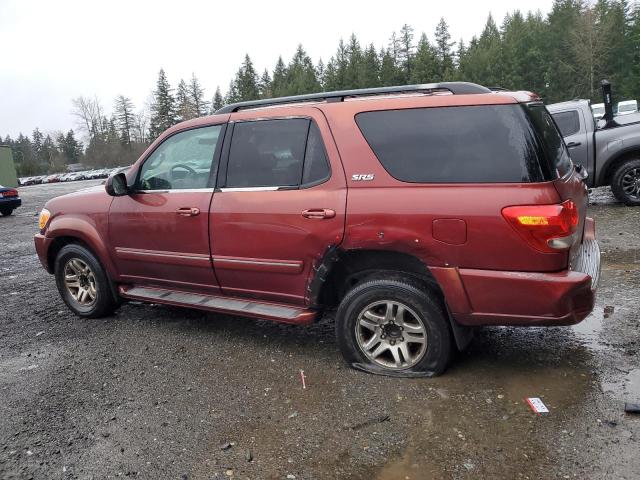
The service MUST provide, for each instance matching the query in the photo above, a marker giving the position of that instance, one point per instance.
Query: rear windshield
(468, 144)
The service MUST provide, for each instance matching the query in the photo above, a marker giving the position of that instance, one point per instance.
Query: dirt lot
(156, 392)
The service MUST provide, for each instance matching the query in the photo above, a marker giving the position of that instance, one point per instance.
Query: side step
(237, 306)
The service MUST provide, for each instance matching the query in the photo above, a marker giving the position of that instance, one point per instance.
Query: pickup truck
(608, 149)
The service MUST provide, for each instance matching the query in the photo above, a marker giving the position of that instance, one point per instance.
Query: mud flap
(390, 373)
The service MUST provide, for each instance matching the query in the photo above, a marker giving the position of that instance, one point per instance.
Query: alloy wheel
(80, 282)
(631, 183)
(391, 334)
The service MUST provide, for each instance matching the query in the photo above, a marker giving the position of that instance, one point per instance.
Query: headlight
(44, 218)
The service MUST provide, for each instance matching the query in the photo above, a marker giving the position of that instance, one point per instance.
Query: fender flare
(84, 229)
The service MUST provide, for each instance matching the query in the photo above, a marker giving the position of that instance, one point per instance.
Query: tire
(6, 212)
(76, 260)
(625, 182)
(422, 312)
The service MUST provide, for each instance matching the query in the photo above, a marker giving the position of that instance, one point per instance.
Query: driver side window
(182, 161)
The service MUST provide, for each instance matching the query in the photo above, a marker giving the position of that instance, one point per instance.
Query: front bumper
(42, 244)
(486, 297)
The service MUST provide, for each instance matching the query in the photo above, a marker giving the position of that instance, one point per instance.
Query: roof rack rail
(456, 88)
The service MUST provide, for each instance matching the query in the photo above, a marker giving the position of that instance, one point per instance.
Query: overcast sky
(53, 51)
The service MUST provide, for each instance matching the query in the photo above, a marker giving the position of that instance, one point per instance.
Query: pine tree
(125, 118)
(443, 48)
(246, 81)
(426, 64)
(406, 51)
(218, 102)
(232, 95)
(36, 146)
(353, 71)
(264, 85)
(278, 85)
(184, 107)
(560, 66)
(196, 97)
(301, 74)
(162, 107)
(370, 68)
(70, 147)
(388, 69)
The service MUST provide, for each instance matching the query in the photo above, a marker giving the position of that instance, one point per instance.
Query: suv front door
(571, 124)
(159, 233)
(280, 204)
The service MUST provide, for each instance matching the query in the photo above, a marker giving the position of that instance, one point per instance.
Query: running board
(237, 306)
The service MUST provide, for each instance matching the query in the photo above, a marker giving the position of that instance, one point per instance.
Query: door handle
(573, 144)
(188, 211)
(319, 213)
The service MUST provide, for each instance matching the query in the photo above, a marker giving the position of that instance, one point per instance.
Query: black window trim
(221, 180)
(216, 156)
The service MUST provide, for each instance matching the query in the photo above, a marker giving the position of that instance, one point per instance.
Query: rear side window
(316, 165)
(568, 122)
(267, 153)
(555, 150)
(468, 144)
(277, 153)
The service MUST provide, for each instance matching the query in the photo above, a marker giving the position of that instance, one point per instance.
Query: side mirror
(116, 185)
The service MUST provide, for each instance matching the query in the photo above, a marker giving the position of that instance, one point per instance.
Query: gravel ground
(157, 392)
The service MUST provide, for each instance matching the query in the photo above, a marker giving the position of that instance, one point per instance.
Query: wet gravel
(157, 392)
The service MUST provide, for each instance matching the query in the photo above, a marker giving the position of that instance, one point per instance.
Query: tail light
(547, 228)
(12, 192)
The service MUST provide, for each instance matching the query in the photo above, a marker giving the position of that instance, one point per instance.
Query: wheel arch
(64, 231)
(612, 164)
(341, 270)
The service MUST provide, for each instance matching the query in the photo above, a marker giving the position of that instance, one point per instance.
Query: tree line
(560, 56)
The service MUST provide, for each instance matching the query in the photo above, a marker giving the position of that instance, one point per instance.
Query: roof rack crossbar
(456, 88)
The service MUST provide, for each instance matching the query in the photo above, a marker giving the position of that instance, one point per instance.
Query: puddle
(626, 389)
(588, 331)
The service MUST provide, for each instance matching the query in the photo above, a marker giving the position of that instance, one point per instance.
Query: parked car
(598, 110)
(417, 211)
(9, 200)
(627, 107)
(609, 151)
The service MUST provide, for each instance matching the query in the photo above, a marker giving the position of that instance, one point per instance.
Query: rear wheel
(83, 283)
(6, 211)
(393, 326)
(625, 182)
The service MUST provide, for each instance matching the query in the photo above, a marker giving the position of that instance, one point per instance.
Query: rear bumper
(10, 202)
(483, 297)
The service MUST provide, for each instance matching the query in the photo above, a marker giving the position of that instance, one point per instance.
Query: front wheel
(394, 327)
(625, 182)
(83, 283)
(6, 212)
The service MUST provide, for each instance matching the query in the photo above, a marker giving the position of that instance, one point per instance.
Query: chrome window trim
(176, 190)
(252, 189)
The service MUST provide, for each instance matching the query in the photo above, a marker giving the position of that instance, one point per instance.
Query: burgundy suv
(417, 211)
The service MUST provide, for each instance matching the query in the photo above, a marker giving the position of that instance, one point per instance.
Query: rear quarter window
(467, 144)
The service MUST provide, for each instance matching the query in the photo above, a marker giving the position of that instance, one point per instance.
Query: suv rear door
(280, 203)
